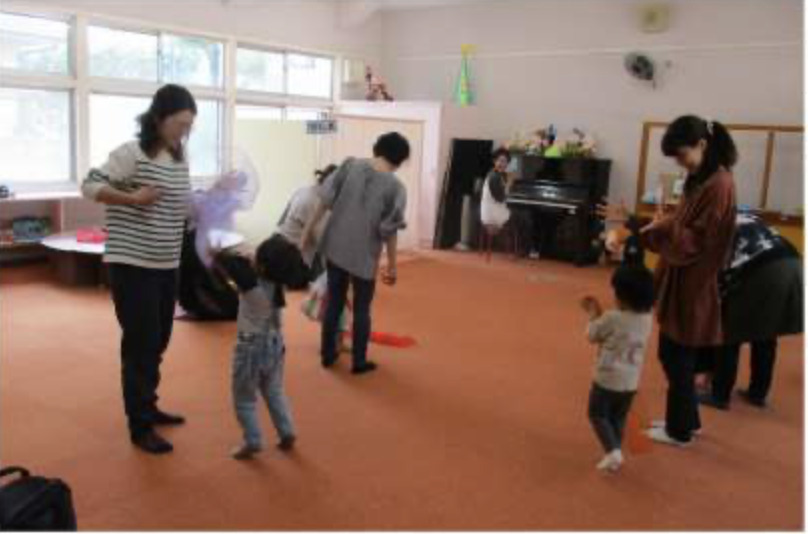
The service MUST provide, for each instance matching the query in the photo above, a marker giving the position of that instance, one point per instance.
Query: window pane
(112, 123)
(309, 75)
(192, 61)
(205, 143)
(34, 136)
(257, 70)
(305, 114)
(266, 113)
(122, 54)
(33, 44)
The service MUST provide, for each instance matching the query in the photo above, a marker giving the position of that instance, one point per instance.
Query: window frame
(70, 21)
(315, 56)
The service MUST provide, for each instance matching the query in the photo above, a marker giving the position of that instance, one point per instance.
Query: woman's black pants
(144, 305)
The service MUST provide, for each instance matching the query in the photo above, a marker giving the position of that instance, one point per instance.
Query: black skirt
(767, 303)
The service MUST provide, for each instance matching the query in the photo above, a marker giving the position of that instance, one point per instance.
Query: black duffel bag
(34, 503)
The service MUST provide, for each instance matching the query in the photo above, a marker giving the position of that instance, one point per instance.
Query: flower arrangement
(544, 142)
(578, 145)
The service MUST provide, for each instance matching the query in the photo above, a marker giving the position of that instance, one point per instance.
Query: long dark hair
(167, 101)
(324, 173)
(687, 131)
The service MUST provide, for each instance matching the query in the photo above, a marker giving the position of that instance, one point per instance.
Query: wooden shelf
(20, 246)
(647, 210)
(771, 130)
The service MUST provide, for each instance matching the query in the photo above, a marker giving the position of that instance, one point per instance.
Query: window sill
(41, 196)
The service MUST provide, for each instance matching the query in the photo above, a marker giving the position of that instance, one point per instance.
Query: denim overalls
(258, 367)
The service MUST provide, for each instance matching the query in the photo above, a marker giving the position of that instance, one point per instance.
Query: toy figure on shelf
(377, 89)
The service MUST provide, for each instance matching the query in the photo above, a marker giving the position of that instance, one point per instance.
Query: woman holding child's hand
(693, 243)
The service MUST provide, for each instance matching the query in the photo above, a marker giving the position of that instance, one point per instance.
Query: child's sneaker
(245, 451)
(611, 462)
(287, 443)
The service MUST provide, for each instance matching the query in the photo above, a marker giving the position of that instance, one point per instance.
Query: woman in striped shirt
(146, 187)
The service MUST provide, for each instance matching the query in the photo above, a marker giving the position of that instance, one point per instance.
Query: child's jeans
(258, 367)
(608, 411)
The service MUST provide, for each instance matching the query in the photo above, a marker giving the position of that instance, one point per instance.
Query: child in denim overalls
(259, 356)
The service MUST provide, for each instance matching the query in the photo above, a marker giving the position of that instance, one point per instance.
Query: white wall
(560, 61)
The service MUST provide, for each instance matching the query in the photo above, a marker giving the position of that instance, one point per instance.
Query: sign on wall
(321, 127)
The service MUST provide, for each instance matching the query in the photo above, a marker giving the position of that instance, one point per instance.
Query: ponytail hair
(168, 100)
(324, 173)
(687, 131)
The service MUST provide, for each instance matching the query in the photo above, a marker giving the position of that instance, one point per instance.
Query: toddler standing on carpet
(260, 351)
(622, 335)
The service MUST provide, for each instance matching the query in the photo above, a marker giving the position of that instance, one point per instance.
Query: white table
(82, 263)
(76, 264)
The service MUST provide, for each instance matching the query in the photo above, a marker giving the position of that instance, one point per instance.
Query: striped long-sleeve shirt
(143, 236)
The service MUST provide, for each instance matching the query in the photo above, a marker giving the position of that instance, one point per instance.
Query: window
(305, 114)
(309, 75)
(113, 121)
(258, 70)
(42, 94)
(266, 113)
(122, 54)
(192, 61)
(204, 146)
(33, 44)
(35, 140)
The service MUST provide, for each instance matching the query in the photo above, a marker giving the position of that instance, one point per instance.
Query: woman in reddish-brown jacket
(693, 243)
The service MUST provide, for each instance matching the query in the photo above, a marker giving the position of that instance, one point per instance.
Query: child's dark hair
(279, 261)
(393, 147)
(167, 101)
(324, 173)
(501, 152)
(234, 268)
(687, 131)
(634, 287)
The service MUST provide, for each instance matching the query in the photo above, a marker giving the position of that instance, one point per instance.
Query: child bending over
(260, 351)
(622, 335)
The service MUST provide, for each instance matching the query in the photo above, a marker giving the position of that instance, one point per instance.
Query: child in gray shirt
(260, 352)
(622, 335)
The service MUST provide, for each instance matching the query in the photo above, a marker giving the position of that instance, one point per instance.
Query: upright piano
(562, 196)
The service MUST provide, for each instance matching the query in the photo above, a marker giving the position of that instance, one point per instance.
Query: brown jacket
(694, 243)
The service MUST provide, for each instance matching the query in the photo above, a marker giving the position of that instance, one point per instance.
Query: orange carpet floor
(481, 426)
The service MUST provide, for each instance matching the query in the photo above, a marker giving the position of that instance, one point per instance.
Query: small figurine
(377, 89)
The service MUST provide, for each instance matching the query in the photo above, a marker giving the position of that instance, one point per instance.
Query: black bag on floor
(35, 503)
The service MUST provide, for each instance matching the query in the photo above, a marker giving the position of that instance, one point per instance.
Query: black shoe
(287, 443)
(712, 402)
(367, 367)
(152, 443)
(754, 401)
(160, 418)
